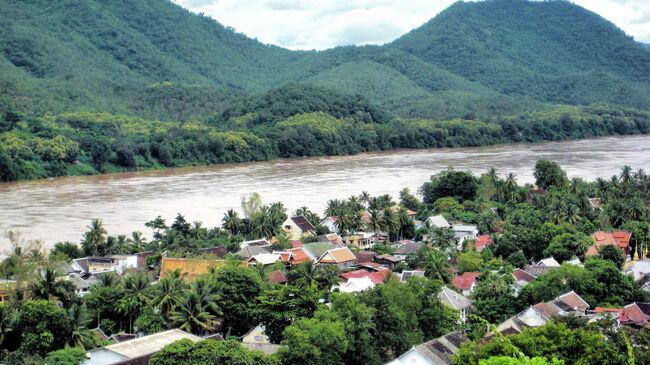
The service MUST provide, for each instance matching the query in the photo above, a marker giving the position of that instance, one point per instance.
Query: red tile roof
(522, 275)
(376, 277)
(355, 274)
(636, 313)
(277, 277)
(600, 238)
(465, 281)
(572, 302)
(298, 255)
(619, 312)
(483, 241)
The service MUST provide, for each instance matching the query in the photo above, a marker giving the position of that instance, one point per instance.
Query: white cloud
(322, 24)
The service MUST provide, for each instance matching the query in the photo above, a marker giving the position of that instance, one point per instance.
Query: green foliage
(67, 356)
(239, 290)
(42, 326)
(613, 254)
(565, 246)
(469, 261)
(281, 306)
(549, 174)
(460, 185)
(228, 352)
(308, 339)
(494, 297)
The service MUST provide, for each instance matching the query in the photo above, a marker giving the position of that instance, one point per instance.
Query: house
(330, 224)
(316, 249)
(575, 262)
(189, 269)
(6, 289)
(466, 282)
(365, 256)
(83, 283)
(438, 221)
(455, 301)
(341, 257)
(435, 352)
(409, 213)
(298, 227)
(406, 274)
(387, 260)
(595, 203)
(377, 277)
(522, 278)
(406, 249)
(354, 285)
(259, 243)
(296, 256)
(93, 265)
(549, 262)
(139, 350)
(463, 232)
(638, 314)
(620, 239)
(264, 259)
(330, 237)
(257, 340)
(540, 313)
(482, 242)
(250, 251)
(365, 240)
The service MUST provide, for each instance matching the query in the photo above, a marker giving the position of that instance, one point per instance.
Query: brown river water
(60, 209)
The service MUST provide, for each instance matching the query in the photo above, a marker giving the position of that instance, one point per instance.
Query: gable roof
(439, 221)
(435, 352)
(408, 248)
(522, 275)
(264, 258)
(331, 238)
(261, 242)
(482, 242)
(355, 285)
(299, 255)
(549, 262)
(619, 313)
(190, 268)
(147, 345)
(277, 277)
(303, 224)
(250, 251)
(571, 302)
(465, 281)
(317, 249)
(453, 299)
(337, 256)
(638, 312)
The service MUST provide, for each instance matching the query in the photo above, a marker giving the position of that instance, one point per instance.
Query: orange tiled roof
(482, 241)
(465, 281)
(337, 256)
(298, 255)
(600, 238)
(190, 268)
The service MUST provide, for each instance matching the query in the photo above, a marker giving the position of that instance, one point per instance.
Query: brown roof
(337, 255)
(521, 275)
(277, 277)
(303, 224)
(571, 302)
(217, 251)
(548, 310)
(190, 268)
(408, 248)
(365, 256)
(638, 312)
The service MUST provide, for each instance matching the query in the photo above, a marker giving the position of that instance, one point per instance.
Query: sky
(322, 24)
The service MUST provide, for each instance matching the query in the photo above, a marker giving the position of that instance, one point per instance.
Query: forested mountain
(108, 85)
(479, 58)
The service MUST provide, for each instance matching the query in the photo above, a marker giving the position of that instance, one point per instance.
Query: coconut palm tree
(80, 336)
(94, 238)
(436, 265)
(442, 238)
(327, 276)
(231, 222)
(192, 315)
(167, 293)
(364, 198)
(137, 242)
(47, 287)
(304, 275)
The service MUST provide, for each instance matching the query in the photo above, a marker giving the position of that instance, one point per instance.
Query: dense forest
(98, 86)
(44, 321)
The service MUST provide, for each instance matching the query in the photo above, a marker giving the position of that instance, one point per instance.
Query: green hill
(99, 55)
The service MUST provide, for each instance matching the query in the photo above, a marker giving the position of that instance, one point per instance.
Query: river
(60, 209)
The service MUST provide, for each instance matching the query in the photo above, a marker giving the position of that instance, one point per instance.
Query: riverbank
(86, 143)
(60, 209)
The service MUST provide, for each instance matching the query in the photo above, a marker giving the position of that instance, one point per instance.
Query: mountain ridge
(92, 55)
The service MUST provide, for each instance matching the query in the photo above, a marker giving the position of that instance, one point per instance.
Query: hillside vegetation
(97, 86)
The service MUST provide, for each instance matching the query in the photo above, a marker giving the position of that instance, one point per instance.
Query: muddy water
(60, 209)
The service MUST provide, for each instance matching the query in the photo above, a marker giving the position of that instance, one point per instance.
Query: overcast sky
(322, 24)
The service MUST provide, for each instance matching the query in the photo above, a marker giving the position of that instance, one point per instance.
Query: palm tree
(6, 317)
(208, 294)
(167, 293)
(364, 198)
(375, 221)
(137, 287)
(436, 265)
(192, 315)
(107, 279)
(333, 207)
(47, 287)
(304, 275)
(121, 244)
(80, 336)
(443, 238)
(327, 276)
(94, 238)
(389, 221)
(231, 222)
(137, 242)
